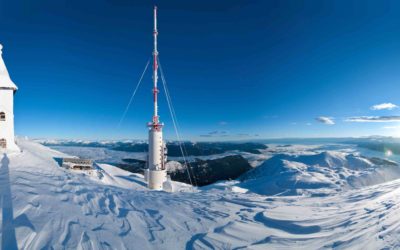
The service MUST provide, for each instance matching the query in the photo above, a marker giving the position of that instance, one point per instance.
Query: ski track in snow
(45, 206)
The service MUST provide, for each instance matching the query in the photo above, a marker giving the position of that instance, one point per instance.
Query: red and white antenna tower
(156, 173)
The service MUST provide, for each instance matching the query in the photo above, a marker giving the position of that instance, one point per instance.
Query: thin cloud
(325, 120)
(223, 133)
(270, 116)
(373, 119)
(391, 127)
(386, 105)
(223, 123)
(216, 133)
(207, 135)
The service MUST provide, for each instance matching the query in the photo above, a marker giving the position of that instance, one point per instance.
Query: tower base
(156, 179)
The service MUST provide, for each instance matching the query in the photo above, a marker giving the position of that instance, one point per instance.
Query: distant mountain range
(202, 171)
(209, 161)
(191, 148)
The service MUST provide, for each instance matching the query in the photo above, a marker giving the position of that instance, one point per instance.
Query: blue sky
(235, 69)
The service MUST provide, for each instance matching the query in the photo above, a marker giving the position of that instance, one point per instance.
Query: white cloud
(373, 119)
(326, 120)
(391, 127)
(386, 105)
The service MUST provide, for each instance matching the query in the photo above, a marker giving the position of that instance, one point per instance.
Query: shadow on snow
(8, 239)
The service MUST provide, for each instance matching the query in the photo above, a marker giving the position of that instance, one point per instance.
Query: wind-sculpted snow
(47, 207)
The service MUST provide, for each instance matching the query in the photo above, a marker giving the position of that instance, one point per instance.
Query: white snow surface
(44, 206)
(317, 173)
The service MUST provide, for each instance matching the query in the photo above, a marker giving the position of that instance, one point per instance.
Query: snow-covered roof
(5, 80)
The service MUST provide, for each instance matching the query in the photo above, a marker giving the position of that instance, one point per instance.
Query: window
(3, 143)
(2, 116)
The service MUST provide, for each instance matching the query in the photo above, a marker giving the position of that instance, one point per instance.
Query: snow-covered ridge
(318, 173)
(44, 206)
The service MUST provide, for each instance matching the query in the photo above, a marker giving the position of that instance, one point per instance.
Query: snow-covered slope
(44, 206)
(318, 173)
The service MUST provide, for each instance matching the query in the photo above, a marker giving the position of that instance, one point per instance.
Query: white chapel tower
(7, 90)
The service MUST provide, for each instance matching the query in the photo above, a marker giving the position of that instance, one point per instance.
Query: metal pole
(155, 68)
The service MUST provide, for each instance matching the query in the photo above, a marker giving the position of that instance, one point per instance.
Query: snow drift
(44, 206)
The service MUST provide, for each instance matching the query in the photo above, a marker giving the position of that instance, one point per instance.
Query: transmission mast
(156, 173)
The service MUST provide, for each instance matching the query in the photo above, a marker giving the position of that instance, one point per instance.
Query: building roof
(5, 80)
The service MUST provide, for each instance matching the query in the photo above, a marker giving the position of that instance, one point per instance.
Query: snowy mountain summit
(319, 173)
(45, 206)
